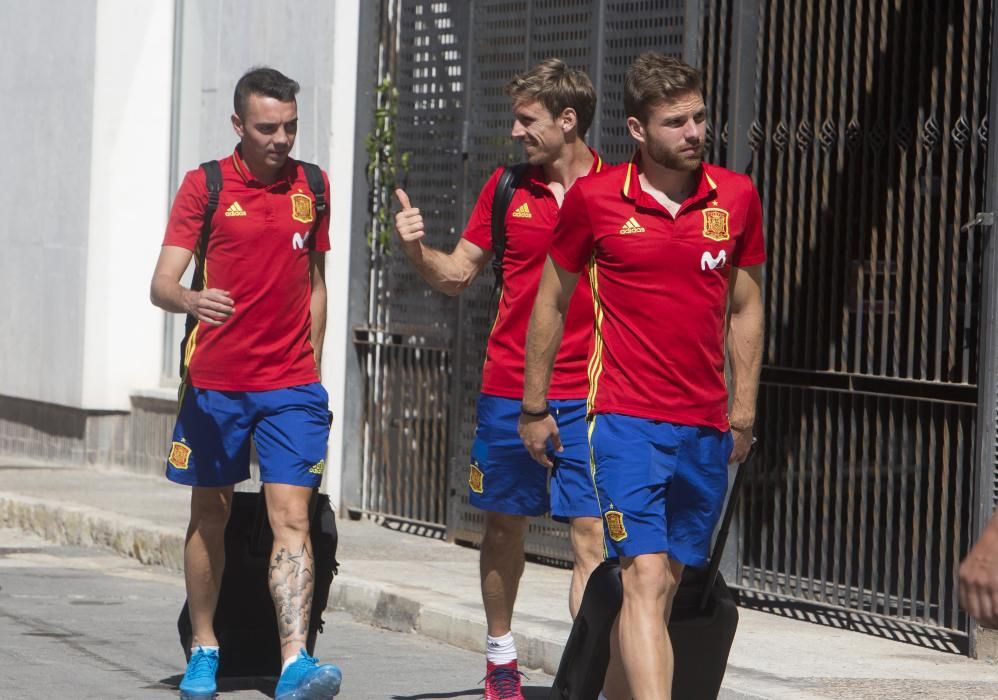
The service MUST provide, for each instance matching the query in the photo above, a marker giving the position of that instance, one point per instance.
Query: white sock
(288, 661)
(202, 646)
(500, 650)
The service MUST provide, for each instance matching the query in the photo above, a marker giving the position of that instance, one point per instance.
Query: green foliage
(384, 165)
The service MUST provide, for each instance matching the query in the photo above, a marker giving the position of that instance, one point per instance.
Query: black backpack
(213, 178)
(508, 181)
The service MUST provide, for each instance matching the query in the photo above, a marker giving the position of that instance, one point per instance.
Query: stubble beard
(683, 162)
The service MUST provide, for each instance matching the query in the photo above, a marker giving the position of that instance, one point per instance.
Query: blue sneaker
(306, 680)
(199, 680)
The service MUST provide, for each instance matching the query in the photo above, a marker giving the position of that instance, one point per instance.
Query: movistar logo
(708, 260)
(298, 241)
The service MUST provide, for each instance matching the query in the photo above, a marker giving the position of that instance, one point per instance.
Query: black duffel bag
(245, 621)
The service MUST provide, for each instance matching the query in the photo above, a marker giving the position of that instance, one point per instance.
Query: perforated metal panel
(406, 348)
(630, 28)
(431, 84)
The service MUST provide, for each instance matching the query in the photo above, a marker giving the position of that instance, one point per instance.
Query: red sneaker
(502, 681)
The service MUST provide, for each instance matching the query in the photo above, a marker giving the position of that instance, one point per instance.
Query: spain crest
(301, 208)
(615, 525)
(180, 455)
(476, 479)
(715, 224)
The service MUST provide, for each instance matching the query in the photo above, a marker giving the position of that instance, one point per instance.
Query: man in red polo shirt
(553, 106)
(252, 371)
(676, 251)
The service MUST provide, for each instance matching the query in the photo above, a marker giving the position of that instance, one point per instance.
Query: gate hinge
(982, 218)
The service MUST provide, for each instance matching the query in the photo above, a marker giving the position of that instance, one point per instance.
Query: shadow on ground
(530, 692)
(264, 684)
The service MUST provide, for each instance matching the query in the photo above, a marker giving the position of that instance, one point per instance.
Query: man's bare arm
(212, 306)
(450, 273)
(547, 323)
(979, 577)
(317, 304)
(745, 329)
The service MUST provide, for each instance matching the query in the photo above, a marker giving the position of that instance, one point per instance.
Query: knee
(647, 578)
(587, 542)
(210, 509)
(288, 518)
(503, 527)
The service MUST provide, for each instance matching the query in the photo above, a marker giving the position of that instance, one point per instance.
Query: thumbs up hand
(408, 222)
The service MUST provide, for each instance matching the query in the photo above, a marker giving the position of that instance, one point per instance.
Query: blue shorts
(504, 478)
(211, 441)
(661, 486)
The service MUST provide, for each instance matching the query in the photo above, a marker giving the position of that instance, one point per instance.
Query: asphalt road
(75, 623)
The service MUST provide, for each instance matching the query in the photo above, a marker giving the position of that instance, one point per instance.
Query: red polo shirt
(530, 222)
(661, 287)
(258, 251)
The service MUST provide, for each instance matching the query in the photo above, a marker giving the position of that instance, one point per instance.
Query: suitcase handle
(722, 533)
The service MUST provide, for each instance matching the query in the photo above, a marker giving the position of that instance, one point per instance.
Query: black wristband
(535, 414)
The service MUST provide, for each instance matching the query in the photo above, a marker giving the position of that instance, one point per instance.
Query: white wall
(88, 85)
(46, 84)
(341, 181)
(129, 172)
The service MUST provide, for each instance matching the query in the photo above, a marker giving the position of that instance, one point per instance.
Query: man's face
(541, 135)
(674, 133)
(267, 131)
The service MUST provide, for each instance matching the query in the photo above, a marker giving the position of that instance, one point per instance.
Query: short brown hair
(557, 86)
(655, 78)
(263, 81)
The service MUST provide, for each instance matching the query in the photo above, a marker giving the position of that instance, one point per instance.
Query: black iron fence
(869, 148)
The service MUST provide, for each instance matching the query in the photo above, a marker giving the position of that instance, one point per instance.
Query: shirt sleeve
(322, 229)
(751, 247)
(573, 241)
(183, 228)
(479, 228)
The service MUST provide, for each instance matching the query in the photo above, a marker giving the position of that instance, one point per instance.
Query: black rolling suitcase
(245, 621)
(701, 627)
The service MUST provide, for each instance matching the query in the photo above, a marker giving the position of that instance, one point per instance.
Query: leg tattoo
(291, 586)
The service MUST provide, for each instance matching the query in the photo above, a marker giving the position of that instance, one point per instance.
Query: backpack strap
(316, 183)
(213, 181)
(510, 178)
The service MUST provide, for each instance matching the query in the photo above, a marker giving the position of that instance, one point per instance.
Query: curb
(538, 644)
(384, 605)
(76, 525)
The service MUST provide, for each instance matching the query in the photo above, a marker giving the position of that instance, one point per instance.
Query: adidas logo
(523, 212)
(235, 210)
(632, 226)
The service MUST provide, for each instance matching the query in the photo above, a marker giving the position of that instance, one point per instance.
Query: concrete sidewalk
(406, 582)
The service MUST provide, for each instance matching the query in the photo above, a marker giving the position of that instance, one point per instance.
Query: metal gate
(863, 123)
(868, 145)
